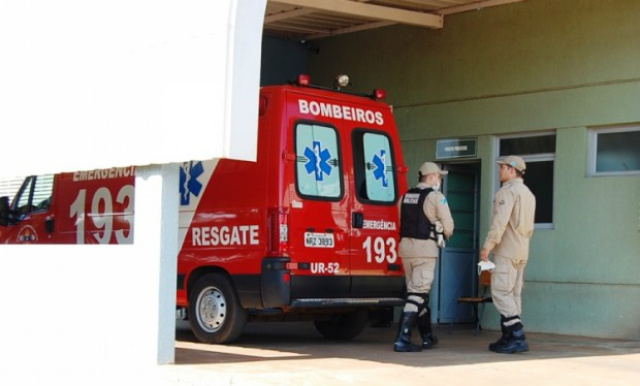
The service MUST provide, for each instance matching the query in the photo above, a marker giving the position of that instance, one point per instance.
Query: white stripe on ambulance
(330, 110)
(224, 235)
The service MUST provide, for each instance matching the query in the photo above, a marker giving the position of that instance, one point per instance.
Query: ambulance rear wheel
(343, 326)
(215, 313)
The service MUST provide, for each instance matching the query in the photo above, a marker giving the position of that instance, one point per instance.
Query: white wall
(86, 314)
(90, 85)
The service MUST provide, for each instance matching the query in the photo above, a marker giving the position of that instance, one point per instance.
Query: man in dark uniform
(424, 216)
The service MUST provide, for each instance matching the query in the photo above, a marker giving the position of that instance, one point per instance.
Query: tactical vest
(414, 222)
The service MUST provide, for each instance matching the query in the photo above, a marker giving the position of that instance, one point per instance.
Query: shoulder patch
(443, 200)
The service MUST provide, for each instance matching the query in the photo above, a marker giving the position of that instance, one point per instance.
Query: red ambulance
(307, 232)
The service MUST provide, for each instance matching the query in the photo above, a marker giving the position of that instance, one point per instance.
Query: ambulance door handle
(49, 224)
(357, 220)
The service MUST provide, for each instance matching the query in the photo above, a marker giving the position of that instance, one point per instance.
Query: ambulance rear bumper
(275, 282)
(280, 289)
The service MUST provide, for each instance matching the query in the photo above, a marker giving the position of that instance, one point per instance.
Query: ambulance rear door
(318, 201)
(375, 265)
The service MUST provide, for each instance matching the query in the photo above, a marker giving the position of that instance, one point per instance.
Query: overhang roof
(314, 19)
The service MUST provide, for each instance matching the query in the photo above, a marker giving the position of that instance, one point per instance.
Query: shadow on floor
(291, 341)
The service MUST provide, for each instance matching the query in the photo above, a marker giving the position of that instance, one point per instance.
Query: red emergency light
(304, 80)
(379, 93)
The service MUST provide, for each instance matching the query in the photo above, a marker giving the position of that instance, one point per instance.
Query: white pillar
(156, 235)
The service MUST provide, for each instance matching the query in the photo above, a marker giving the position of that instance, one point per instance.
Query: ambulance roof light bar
(342, 80)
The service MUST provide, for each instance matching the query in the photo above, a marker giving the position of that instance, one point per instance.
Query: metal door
(375, 266)
(457, 270)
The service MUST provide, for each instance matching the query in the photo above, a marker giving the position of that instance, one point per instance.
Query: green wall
(538, 65)
(282, 60)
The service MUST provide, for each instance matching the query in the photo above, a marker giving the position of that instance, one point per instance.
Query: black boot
(516, 344)
(424, 325)
(403, 342)
(517, 341)
(506, 335)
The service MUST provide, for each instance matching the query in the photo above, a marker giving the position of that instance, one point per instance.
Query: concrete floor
(295, 354)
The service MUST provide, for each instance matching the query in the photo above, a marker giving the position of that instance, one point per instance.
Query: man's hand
(484, 254)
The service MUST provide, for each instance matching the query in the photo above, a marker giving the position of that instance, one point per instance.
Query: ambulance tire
(215, 313)
(343, 326)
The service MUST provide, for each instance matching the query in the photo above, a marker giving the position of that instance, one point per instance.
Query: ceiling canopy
(314, 19)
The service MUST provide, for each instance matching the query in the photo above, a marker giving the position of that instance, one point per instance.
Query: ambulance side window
(374, 166)
(35, 195)
(43, 192)
(318, 173)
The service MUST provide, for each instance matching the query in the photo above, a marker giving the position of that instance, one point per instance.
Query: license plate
(318, 240)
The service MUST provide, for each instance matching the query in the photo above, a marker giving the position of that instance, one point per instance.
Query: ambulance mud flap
(275, 282)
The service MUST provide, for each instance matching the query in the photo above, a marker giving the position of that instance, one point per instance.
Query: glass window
(615, 151)
(24, 195)
(35, 194)
(9, 186)
(374, 166)
(42, 192)
(318, 161)
(539, 179)
(538, 152)
(522, 146)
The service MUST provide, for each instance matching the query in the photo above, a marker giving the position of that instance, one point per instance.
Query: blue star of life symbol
(380, 163)
(189, 184)
(318, 160)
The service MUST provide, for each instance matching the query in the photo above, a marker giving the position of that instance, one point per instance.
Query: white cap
(431, 168)
(514, 161)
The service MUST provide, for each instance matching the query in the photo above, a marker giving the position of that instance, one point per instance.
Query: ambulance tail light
(379, 94)
(304, 80)
(278, 232)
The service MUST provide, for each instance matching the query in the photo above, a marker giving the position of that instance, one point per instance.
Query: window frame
(537, 157)
(47, 180)
(339, 166)
(592, 157)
